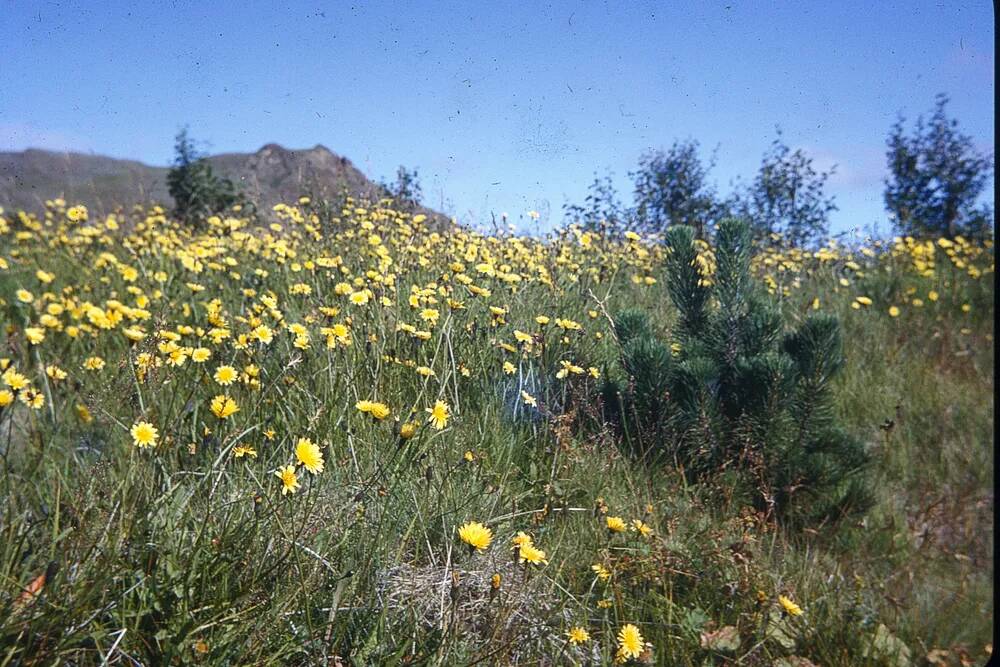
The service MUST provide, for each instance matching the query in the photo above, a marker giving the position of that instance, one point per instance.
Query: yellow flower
(528, 399)
(24, 296)
(200, 355)
(932, 295)
(225, 375)
(93, 363)
(6, 397)
(864, 301)
(144, 434)
(476, 535)
(528, 553)
(83, 413)
(309, 455)
(642, 528)
(177, 356)
(602, 572)
(408, 430)
(790, 607)
(223, 406)
(893, 311)
(134, 333)
(263, 334)
(577, 635)
(630, 642)
(289, 482)
(520, 539)
(35, 335)
(615, 524)
(239, 451)
(568, 368)
(522, 337)
(438, 415)
(377, 410)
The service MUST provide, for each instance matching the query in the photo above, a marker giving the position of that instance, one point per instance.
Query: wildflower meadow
(356, 436)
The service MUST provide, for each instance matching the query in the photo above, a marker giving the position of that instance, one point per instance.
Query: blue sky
(503, 107)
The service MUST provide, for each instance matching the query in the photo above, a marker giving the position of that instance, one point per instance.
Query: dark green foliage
(786, 197)
(739, 393)
(688, 293)
(631, 323)
(936, 177)
(671, 188)
(406, 191)
(601, 211)
(197, 191)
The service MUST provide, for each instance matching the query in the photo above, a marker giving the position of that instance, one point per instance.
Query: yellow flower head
(615, 524)
(225, 375)
(377, 410)
(476, 535)
(239, 451)
(630, 642)
(93, 363)
(408, 430)
(529, 553)
(83, 413)
(289, 481)
(790, 607)
(223, 406)
(602, 572)
(577, 635)
(309, 455)
(438, 415)
(641, 527)
(33, 399)
(15, 380)
(144, 434)
(520, 539)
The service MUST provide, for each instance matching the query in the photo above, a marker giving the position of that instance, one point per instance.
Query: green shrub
(197, 191)
(733, 390)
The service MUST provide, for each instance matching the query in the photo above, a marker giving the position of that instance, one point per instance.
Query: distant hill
(271, 175)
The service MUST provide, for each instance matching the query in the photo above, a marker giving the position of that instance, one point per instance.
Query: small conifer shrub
(735, 389)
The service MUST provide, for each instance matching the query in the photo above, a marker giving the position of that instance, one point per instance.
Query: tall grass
(187, 553)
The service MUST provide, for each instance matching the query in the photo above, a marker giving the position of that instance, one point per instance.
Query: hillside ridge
(272, 174)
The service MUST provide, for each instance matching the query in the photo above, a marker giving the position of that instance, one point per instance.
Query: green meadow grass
(185, 554)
